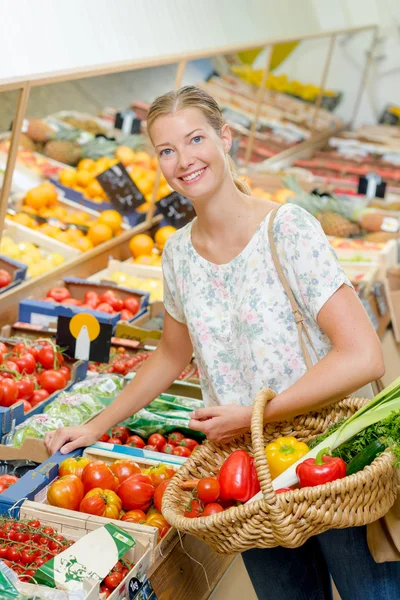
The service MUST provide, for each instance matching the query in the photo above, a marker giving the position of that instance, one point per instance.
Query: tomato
(194, 509)
(4, 551)
(208, 490)
(10, 365)
(73, 466)
(3, 348)
(39, 562)
(109, 297)
(132, 304)
(34, 524)
(181, 451)
(99, 475)
(114, 441)
(120, 432)
(66, 492)
(101, 502)
(134, 516)
(150, 447)
(135, 441)
(8, 479)
(46, 357)
(59, 294)
(135, 492)
(5, 278)
(39, 396)
(72, 302)
(188, 443)
(66, 371)
(28, 556)
(105, 307)
(167, 448)
(283, 490)
(3, 487)
(27, 406)
(157, 520)
(160, 473)
(126, 315)
(13, 554)
(105, 591)
(175, 437)
(157, 440)
(159, 493)
(26, 363)
(10, 392)
(113, 580)
(92, 298)
(123, 469)
(104, 438)
(52, 381)
(25, 386)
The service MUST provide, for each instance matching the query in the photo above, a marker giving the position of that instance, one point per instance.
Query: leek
(376, 410)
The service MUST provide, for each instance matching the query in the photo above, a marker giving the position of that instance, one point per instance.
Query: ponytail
(241, 185)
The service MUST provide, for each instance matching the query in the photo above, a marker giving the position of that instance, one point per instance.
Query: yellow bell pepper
(282, 453)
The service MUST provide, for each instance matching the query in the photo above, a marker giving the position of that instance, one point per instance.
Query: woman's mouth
(193, 177)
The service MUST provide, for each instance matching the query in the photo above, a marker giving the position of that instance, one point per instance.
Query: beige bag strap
(298, 317)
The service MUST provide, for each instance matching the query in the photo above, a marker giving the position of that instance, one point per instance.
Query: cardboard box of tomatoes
(32, 373)
(12, 273)
(108, 303)
(133, 504)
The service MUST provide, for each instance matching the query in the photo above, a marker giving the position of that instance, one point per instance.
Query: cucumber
(365, 457)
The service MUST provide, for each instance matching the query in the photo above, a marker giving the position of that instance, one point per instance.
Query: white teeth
(193, 175)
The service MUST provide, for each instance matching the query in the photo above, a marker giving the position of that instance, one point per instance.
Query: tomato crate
(16, 270)
(70, 520)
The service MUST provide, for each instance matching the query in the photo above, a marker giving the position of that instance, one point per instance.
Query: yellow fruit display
(112, 218)
(163, 234)
(153, 286)
(41, 196)
(37, 260)
(68, 177)
(141, 244)
(99, 233)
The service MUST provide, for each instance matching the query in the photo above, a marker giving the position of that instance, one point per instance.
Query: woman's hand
(222, 423)
(67, 439)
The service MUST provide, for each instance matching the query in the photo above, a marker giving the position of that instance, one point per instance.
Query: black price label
(84, 338)
(177, 209)
(120, 188)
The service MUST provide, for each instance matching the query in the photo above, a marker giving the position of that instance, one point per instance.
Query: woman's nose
(185, 160)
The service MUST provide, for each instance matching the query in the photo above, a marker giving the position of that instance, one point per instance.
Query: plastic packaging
(74, 409)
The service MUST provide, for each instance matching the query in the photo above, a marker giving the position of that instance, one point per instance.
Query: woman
(224, 300)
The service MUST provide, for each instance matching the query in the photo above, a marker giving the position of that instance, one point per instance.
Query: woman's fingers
(201, 414)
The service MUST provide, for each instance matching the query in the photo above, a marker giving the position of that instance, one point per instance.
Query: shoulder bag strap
(298, 317)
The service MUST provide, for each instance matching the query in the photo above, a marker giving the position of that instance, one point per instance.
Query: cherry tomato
(27, 406)
(10, 392)
(104, 438)
(25, 386)
(194, 509)
(157, 440)
(208, 490)
(181, 451)
(150, 447)
(13, 554)
(46, 357)
(132, 304)
(115, 441)
(28, 556)
(135, 441)
(26, 363)
(5, 278)
(120, 432)
(66, 371)
(4, 550)
(167, 448)
(175, 437)
(52, 381)
(188, 443)
(113, 580)
(10, 365)
(38, 396)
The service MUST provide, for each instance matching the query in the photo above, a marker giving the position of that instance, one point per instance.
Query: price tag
(84, 338)
(177, 209)
(141, 591)
(120, 188)
(371, 186)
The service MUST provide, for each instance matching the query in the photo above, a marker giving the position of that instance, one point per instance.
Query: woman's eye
(197, 139)
(166, 152)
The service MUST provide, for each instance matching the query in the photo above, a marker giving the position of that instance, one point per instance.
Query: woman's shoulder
(292, 220)
(178, 240)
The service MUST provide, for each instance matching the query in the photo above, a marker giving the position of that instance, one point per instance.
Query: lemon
(56, 259)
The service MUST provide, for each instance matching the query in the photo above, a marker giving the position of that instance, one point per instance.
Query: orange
(163, 234)
(101, 165)
(68, 177)
(84, 244)
(40, 196)
(125, 154)
(143, 259)
(143, 208)
(94, 189)
(86, 164)
(112, 218)
(99, 233)
(26, 220)
(83, 178)
(141, 244)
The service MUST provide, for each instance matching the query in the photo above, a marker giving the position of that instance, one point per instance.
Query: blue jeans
(305, 573)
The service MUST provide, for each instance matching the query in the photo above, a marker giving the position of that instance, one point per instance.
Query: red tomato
(181, 451)
(156, 519)
(3, 487)
(109, 297)
(105, 591)
(66, 492)
(27, 406)
(46, 357)
(52, 381)
(175, 437)
(99, 475)
(10, 392)
(5, 278)
(26, 387)
(28, 556)
(208, 490)
(160, 473)
(3, 348)
(92, 298)
(115, 441)
(10, 365)
(39, 396)
(194, 509)
(101, 502)
(135, 493)
(135, 441)
(66, 371)
(26, 363)
(126, 315)
(8, 479)
(113, 580)
(1, 394)
(124, 468)
(120, 432)
(73, 466)
(150, 447)
(159, 493)
(212, 509)
(104, 438)
(283, 490)
(132, 304)
(106, 308)
(134, 516)
(157, 440)
(188, 443)
(59, 294)
(72, 302)
(167, 448)
(13, 554)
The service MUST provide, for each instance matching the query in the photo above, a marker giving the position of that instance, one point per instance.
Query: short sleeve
(172, 300)
(307, 258)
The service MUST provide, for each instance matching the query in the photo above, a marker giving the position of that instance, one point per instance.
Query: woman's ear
(226, 138)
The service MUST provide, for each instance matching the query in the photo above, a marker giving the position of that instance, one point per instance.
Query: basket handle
(257, 438)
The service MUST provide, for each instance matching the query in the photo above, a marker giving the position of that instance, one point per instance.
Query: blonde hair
(193, 97)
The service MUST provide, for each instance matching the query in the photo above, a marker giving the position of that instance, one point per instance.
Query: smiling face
(192, 154)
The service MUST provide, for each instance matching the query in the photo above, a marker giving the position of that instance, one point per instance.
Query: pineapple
(337, 225)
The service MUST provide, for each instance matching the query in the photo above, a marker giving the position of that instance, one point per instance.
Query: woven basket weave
(286, 519)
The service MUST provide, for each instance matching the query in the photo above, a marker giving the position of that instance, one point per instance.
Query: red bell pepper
(319, 470)
(238, 477)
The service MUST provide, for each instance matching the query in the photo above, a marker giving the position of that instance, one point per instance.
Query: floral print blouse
(238, 315)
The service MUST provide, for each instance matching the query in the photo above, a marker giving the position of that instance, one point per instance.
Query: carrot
(189, 485)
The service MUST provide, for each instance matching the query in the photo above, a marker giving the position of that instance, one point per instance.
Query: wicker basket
(287, 519)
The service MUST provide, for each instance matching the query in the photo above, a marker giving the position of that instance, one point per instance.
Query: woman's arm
(355, 359)
(155, 376)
